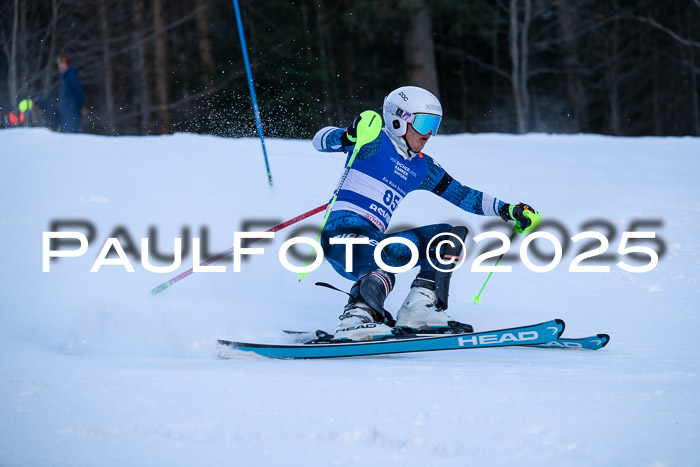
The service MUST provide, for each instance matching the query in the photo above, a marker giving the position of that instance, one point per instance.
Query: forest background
(617, 67)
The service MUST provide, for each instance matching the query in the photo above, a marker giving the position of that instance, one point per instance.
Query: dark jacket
(71, 99)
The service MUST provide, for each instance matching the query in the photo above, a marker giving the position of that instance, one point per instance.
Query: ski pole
(223, 254)
(535, 219)
(368, 129)
(477, 297)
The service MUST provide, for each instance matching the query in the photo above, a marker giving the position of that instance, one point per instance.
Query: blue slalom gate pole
(252, 89)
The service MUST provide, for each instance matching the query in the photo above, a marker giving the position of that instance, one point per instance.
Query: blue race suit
(381, 176)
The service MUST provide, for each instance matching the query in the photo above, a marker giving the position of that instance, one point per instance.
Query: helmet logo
(402, 114)
(433, 107)
(403, 96)
(394, 110)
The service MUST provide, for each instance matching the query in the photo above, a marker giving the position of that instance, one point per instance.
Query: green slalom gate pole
(368, 129)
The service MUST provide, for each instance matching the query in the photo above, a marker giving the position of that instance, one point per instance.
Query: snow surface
(96, 371)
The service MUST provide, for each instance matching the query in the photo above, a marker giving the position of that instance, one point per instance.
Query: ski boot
(423, 311)
(364, 317)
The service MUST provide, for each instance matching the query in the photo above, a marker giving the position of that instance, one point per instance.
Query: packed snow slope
(97, 371)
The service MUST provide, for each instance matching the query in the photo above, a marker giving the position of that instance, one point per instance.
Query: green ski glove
(525, 217)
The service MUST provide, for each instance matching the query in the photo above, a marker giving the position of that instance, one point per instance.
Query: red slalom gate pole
(223, 254)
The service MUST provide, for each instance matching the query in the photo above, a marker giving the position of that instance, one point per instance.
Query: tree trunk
(22, 55)
(495, 51)
(516, 58)
(572, 64)
(203, 42)
(612, 78)
(656, 85)
(50, 67)
(518, 47)
(106, 69)
(694, 90)
(419, 47)
(12, 65)
(525, 63)
(160, 63)
(142, 95)
(323, 53)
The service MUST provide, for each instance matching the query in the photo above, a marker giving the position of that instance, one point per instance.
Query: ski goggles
(422, 123)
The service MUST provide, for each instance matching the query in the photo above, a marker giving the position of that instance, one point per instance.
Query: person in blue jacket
(383, 173)
(71, 97)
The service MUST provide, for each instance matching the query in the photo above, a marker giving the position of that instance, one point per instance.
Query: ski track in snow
(96, 371)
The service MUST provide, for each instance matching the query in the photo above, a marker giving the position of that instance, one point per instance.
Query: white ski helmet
(414, 105)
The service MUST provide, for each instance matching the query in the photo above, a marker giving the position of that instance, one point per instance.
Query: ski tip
(561, 323)
(605, 338)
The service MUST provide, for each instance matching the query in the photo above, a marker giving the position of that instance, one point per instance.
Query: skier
(71, 96)
(383, 173)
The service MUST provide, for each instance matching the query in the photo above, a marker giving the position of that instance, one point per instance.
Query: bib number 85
(391, 200)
